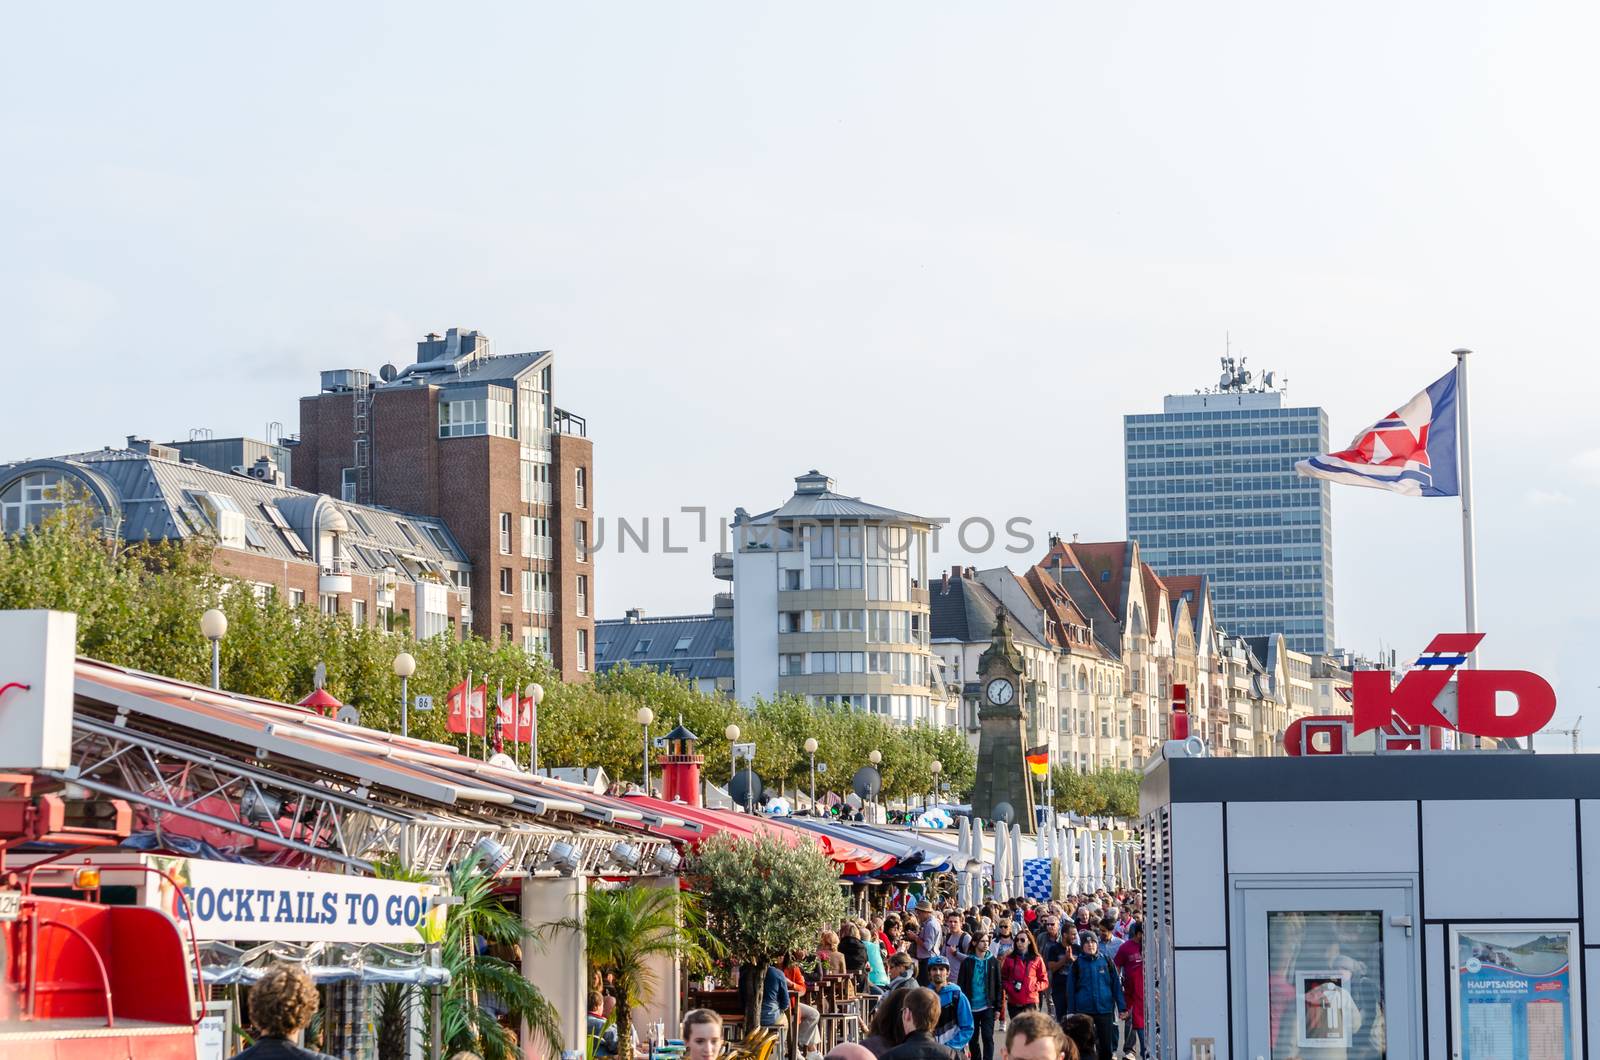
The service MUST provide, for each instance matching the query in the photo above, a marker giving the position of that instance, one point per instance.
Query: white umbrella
(1085, 861)
(1018, 885)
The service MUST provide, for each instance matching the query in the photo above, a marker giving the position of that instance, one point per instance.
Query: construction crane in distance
(1573, 732)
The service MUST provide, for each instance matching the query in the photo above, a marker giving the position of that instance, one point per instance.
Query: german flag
(1038, 759)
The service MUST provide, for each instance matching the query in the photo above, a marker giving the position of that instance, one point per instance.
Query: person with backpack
(1095, 989)
(1022, 976)
(955, 1026)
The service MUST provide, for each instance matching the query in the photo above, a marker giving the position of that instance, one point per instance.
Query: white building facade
(831, 604)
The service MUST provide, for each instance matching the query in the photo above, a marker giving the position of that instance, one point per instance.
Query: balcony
(335, 578)
(722, 566)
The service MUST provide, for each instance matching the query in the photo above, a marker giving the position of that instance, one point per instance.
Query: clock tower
(1002, 735)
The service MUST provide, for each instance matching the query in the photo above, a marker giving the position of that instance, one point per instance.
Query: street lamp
(876, 757)
(936, 767)
(214, 625)
(644, 716)
(732, 733)
(535, 696)
(811, 749)
(404, 667)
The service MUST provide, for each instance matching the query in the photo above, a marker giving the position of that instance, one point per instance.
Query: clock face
(1000, 691)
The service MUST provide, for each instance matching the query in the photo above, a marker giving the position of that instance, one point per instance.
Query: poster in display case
(1515, 991)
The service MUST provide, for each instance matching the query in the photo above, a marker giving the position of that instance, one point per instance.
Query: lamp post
(811, 749)
(732, 733)
(404, 667)
(876, 758)
(535, 696)
(644, 716)
(214, 625)
(935, 767)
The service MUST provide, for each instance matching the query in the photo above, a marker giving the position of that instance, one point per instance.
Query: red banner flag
(462, 706)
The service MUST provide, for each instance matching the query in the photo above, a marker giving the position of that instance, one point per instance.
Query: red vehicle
(84, 981)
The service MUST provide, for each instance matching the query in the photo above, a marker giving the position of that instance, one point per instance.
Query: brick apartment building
(474, 439)
(382, 568)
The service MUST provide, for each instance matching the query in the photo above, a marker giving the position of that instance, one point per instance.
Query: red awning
(852, 860)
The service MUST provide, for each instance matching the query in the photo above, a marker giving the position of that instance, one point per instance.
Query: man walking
(1057, 954)
(1096, 991)
(927, 941)
(954, 1029)
(979, 979)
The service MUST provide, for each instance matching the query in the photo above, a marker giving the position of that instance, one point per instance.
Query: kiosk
(1396, 906)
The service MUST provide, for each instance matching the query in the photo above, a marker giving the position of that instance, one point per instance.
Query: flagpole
(1469, 549)
(466, 711)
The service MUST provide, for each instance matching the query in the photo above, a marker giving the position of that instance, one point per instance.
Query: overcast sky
(934, 249)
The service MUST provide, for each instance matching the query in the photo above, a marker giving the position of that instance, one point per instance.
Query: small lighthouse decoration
(680, 767)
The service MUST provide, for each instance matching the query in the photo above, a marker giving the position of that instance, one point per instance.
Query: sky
(936, 250)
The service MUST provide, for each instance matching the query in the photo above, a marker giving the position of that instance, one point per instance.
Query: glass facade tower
(1211, 489)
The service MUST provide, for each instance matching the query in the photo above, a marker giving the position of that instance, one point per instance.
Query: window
(789, 621)
(290, 538)
(580, 484)
(357, 518)
(822, 576)
(469, 417)
(641, 646)
(505, 581)
(536, 537)
(682, 646)
(849, 542)
(358, 613)
(536, 641)
(535, 479)
(505, 533)
(789, 579)
(822, 544)
(407, 533)
(580, 539)
(583, 594)
(436, 535)
(583, 649)
(31, 498)
(297, 597)
(536, 598)
(329, 603)
(849, 576)
(791, 664)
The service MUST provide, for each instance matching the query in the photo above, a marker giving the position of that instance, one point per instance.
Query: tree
(625, 927)
(1105, 792)
(763, 898)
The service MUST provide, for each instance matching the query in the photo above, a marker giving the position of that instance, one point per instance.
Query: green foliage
(762, 897)
(626, 927)
(1113, 792)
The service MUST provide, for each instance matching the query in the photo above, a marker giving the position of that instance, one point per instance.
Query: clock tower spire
(1003, 779)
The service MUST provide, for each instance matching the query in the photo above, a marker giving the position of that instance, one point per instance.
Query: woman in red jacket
(1023, 977)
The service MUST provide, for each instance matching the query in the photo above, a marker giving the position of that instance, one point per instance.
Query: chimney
(634, 614)
(955, 571)
(944, 584)
(1055, 539)
(138, 444)
(1074, 537)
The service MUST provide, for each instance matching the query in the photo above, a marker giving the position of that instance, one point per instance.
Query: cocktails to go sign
(249, 903)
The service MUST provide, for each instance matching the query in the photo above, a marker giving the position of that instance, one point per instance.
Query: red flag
(515, 725)
(461, 706)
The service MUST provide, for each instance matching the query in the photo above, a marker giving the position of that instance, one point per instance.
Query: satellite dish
(348, 715)
(1266, 379)
(1002, 813)
(1245, 377)
(388, 372)
(867, 783)
(1225, 381)
(746, 789)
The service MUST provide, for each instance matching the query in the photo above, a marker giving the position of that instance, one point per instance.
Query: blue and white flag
(1411, 451)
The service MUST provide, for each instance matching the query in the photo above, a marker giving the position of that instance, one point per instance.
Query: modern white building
(831, 603)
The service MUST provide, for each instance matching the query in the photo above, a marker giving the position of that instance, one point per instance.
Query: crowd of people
(949, 980)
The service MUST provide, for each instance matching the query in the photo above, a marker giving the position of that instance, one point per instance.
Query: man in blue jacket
(955, 1026)
(1095, 989)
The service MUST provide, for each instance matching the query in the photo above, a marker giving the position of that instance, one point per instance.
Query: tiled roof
(1152, 596)
(654, 642)
(160, 499)
(963, 609)
(1104, 565)
(1193, 586)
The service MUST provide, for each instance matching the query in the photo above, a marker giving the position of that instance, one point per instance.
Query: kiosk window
(1326, 984)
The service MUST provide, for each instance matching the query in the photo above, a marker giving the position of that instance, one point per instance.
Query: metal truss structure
(310, 817)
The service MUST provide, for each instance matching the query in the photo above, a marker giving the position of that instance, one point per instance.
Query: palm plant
(476, 977)
(626, 927)
(467, 1025)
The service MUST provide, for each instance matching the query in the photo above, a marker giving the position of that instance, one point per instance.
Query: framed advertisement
(1514, 991)
(1325, 1013)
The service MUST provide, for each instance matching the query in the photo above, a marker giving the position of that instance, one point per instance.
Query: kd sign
(1415, 700)
(1436, 696)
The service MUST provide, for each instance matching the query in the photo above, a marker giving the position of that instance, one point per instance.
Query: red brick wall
(571, 452)
(406, 448)
(304, 576)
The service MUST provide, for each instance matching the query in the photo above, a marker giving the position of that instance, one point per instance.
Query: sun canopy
(853, 859)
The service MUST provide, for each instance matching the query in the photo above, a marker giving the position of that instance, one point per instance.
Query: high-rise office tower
(1211, 489)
